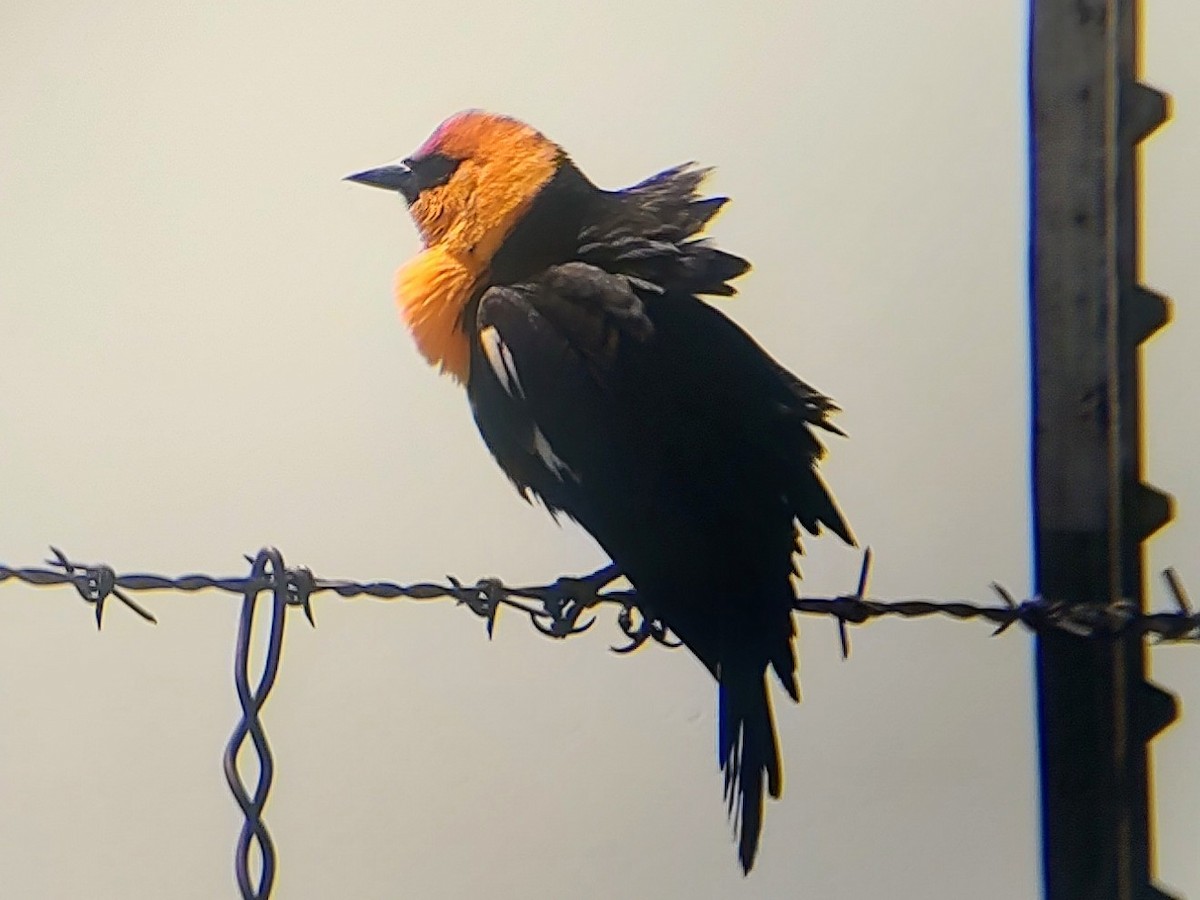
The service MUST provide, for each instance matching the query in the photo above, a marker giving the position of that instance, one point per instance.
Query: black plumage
(604, 386)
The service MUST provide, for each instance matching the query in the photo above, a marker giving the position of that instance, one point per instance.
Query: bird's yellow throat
(432, 290)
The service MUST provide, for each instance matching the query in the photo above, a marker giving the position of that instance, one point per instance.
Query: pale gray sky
(201, 355)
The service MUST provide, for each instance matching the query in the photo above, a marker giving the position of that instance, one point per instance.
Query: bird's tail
(748, 749)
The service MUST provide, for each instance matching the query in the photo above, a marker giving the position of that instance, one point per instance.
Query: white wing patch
(553, 461)
(500, 358)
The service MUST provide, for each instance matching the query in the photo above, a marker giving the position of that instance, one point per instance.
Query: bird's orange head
(466, 187)
(471, 180)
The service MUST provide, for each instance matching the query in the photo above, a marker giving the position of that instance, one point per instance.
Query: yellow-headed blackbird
(605, 387)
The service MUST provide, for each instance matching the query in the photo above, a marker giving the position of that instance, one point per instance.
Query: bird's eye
(433, 170)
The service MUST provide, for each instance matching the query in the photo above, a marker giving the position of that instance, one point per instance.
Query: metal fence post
(1089, 315)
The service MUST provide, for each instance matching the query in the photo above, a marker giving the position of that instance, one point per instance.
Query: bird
(610, 390)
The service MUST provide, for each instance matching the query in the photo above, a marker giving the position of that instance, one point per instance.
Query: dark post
(1096, 711)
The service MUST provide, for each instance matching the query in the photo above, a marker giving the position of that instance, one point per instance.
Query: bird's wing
(590, 389)
(582, 371)
(547, 377)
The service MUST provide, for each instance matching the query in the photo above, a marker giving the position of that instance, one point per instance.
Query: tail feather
(748, 749)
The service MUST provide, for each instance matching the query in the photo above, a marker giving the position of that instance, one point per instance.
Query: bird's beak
(395, 176)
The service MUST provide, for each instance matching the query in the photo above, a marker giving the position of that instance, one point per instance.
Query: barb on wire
(95, 584)
(859, 596)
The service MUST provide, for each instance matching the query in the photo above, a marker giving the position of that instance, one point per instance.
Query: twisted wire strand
(254, 829)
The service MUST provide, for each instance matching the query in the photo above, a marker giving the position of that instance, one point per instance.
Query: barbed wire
(557, 610)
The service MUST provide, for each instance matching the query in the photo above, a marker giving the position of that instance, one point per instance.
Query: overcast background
(201, 356)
